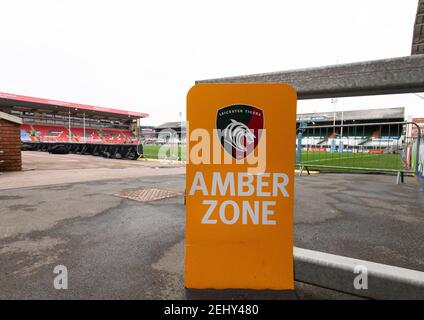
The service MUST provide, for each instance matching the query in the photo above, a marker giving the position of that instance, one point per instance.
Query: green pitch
(151, 151)
(355, 160)
(311, 158)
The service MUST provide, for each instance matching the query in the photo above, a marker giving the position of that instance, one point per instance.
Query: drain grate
(145, 195)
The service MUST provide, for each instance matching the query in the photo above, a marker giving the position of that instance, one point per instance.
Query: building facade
(10, 143)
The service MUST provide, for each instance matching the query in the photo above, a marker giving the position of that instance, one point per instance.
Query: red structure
(47, 120)
(48, 133)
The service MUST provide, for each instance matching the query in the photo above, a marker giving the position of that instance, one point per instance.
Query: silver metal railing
(366, 147)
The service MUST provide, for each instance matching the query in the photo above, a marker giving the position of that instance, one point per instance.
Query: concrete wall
(10, 146)
(418, 37)
(387, 76)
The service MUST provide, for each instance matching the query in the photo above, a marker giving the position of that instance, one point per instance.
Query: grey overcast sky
(145, 55)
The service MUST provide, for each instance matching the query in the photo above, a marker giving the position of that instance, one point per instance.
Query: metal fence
(420, 160)
(367, 147)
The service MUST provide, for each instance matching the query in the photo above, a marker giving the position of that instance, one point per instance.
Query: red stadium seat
(52, 133)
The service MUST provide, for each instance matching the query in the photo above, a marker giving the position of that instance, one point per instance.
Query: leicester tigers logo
(239, 128)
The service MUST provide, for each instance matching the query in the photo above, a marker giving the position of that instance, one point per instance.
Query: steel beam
(388, 76)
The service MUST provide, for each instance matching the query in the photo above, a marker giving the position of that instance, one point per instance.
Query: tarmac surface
(116, 248)
(41, 168)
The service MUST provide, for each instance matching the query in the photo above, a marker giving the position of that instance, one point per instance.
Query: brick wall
(10, 144)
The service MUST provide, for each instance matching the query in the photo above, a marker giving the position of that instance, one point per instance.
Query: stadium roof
(369, 114)
(25, 103)
(172, 125)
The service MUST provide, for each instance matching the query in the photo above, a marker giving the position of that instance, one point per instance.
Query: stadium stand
(364, 138)
(46, 133)
(62, 127)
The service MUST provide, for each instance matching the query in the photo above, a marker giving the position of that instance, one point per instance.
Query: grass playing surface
(311, 158)
(355, 160)
(152, 150)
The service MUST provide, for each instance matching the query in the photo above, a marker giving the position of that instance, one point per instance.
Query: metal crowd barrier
(420, 168)
(367, 147)
(114, 151)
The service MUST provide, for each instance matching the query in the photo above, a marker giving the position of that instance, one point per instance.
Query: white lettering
(267, 212)
(361, 280)
(60, 282)
(280, 185)
(241, 184)
(253, 214)
(222, 212)
(212, 205)
(260, 184)
(245, 184)
(198, 184)
(223, 186)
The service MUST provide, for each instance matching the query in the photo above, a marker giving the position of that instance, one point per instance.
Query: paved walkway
(42, 168)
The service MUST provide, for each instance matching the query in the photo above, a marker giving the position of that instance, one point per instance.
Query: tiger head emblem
(238, 135)
(239, 129)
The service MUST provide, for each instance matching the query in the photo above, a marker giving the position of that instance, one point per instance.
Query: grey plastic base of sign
(239, 294)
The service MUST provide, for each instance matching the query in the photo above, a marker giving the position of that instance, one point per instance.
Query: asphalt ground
(115, 248)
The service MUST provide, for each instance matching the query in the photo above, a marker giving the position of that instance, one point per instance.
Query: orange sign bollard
(241, 158)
